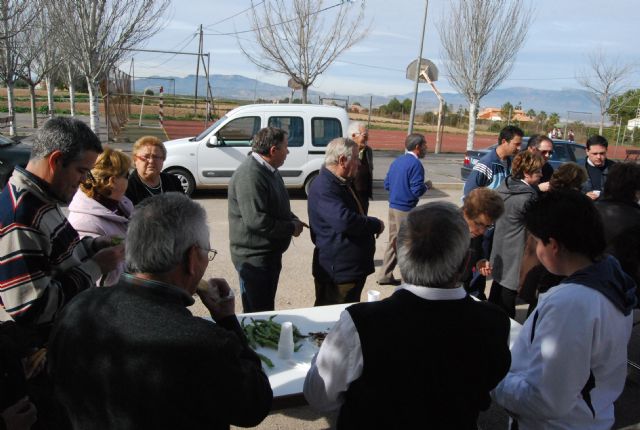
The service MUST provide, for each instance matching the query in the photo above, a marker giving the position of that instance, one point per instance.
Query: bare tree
(96, 34)
(293, 38)
(15, 15)
(605, 78)
(41, 59)
(480, 39)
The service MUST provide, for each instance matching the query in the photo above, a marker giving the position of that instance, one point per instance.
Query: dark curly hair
(623, 181)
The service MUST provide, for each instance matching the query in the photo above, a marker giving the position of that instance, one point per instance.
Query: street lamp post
(415, 89)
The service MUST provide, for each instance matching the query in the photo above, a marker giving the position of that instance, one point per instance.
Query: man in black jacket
(404, 362)
(132, 356)
(597, 165)
(344, 236)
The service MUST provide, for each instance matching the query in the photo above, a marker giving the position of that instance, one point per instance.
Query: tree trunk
(50, 104)
(32, 103)
(304, 94)
(94, 113)
(601, 124)
(473, 109)
(11, 107)
(72, 94)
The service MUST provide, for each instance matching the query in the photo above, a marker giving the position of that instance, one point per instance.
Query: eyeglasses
(149, 158)
(211, 253)
(546, 152)
(481, 225)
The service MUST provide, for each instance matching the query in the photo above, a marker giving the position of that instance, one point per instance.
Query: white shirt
(339, 361)
(262, 161)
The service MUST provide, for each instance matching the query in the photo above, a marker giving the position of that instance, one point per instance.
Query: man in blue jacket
(343, 234)
(405, 183)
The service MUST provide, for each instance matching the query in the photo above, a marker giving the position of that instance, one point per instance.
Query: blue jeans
(258, 285)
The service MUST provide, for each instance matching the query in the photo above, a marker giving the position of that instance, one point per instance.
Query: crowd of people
(131, 355)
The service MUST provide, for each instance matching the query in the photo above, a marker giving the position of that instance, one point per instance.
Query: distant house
(633, 123)
(495, 114)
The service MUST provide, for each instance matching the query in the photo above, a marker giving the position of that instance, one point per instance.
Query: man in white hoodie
(569, 363)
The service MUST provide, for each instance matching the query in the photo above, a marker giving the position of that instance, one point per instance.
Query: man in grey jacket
(261, 223)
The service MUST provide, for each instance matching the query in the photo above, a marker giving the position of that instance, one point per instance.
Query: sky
(561, 35)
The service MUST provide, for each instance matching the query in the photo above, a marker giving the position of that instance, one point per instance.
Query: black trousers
(503, 297)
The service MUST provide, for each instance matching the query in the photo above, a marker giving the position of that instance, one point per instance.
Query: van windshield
(210, 129)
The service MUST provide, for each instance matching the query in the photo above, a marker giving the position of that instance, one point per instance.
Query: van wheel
(307, 184)
(186, 179)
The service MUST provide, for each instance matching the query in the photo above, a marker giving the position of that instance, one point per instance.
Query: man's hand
(428, 184)
(593, 195)
(109, 258)
(223, 306)
(20, 416)
(484, 267)
(544, 187)
(297, 227)
(381, 228)
(102, 242)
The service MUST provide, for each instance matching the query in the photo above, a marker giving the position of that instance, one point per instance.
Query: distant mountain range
(243, 88)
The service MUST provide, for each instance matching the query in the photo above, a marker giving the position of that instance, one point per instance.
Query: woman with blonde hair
(147, 179)
(100, 207)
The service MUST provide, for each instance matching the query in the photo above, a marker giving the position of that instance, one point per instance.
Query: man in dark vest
(404, 362)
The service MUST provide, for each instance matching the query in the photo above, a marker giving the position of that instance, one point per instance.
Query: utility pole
(415, 90)
(195, 102)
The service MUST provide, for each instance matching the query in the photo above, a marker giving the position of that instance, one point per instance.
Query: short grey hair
(337, 148)
(70, 136)
(432, 245)
(162, 229)
(414, 140)
(354, 128)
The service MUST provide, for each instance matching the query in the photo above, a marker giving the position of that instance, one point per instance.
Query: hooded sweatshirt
(510, 234)
(569, 362)
(90, 218)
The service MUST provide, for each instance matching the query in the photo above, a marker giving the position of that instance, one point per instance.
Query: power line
(271, 25)
(233, 16)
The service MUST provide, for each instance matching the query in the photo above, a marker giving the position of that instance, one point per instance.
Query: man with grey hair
(44, 262)
(410, 353)
(405, 183)
(363, 181)
(133, 356)
(261, 223)
(343, 234)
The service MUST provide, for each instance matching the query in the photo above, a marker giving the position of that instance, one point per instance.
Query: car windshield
(210, 129)
(5, 141)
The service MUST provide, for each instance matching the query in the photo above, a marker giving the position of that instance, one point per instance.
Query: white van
(209, 159)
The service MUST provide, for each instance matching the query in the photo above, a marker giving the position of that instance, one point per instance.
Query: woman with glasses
(100, 207)
(147, 179)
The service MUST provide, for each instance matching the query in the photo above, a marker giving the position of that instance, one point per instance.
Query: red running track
(382, 139)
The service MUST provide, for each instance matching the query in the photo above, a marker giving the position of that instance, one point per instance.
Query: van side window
(239, 132)
(293, 125)
(324, 130)
(560, 153)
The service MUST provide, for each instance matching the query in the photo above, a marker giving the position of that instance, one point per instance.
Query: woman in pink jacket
(100, 207)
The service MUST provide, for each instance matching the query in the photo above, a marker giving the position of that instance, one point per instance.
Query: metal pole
(415, 88)
(369, 118)
(195, 101)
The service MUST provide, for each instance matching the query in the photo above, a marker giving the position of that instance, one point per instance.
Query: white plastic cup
(285, 344)
(373, 296)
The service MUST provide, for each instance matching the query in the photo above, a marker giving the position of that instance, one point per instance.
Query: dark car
(564, 151)
(12, 153)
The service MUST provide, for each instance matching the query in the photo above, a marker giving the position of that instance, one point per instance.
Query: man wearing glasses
(540, 144)
(138, 354)
(363, 181)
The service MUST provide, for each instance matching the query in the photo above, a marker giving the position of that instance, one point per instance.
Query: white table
(287, 376)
